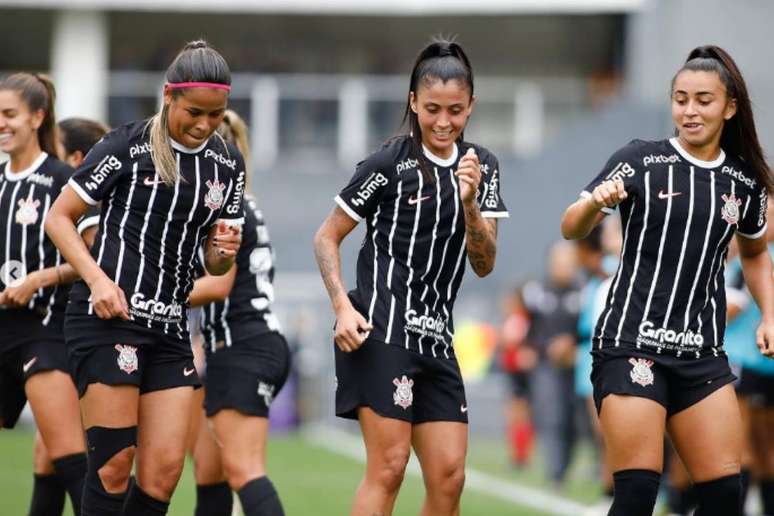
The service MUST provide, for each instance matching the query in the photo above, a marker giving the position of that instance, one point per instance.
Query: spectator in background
(552, 306)
(516, 359)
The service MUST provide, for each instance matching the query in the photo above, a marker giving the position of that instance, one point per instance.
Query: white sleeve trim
(87, 223)
(606, 211)
(231, 222)
(81, 192)
(759, 234)
(495, 214)
(343, 205)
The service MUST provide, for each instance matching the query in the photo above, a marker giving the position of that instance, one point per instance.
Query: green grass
(310, 480)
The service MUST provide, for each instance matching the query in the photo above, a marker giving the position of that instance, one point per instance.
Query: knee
(240, 468)
(391, 466)
(114, 474)
(447, 479)
(635, 492)
(162, 474)
(41, 460)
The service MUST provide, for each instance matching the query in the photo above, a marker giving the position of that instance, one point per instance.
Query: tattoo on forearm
(328, 261)
(481, 240)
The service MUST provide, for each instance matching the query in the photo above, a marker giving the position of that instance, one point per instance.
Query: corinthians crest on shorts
(403, 395)
(730, 210)
(28, 211)
(127, 358)
(214, 197)
(641, 372)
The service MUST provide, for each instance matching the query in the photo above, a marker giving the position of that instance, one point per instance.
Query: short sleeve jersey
(680, 214)
(149, 232)
(246, 313)
(413, 257)
(25, 198)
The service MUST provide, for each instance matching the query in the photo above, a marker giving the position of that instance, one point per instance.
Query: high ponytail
(444, 60)
(197, 62)
(38, 92)
(739, 137)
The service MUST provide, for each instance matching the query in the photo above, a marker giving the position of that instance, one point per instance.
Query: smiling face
(700, 108)
(18, 125)
(194, 114)
(442, 109)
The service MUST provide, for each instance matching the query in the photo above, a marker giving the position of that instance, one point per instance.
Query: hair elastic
(214, 85)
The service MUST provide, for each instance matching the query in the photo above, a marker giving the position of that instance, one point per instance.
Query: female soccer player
(33, 364)
(164, 186)
(247, 364)
(429, 199)
(659, 364)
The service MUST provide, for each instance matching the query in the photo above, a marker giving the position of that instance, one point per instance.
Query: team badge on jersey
(403, 395)
(641, 372)
(214, 197)
(730, 210)
(267, 391)
(28, 211)
(127, 358)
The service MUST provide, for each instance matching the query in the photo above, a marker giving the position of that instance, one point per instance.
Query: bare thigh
(633, 430)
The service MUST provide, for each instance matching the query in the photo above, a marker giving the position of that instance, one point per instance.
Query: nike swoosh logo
(26, 366)
(150, 182)
(188, 372)
(463, 408)
(413, 200)
(662, 195)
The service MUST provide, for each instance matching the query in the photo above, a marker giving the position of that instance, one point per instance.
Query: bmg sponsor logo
(660, 159)
(368, 188)
(233, 208)
(491, 196)
(107, 166)
(621, 171)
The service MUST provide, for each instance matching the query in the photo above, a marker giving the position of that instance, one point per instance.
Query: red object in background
(522, 436)
(512, 335)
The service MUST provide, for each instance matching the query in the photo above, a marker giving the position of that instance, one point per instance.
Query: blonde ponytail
(161, 151)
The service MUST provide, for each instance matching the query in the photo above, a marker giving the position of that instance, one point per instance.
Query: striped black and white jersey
(246, 313)
(149, 232)
(25, 198)
(680, 214)
(413, 256)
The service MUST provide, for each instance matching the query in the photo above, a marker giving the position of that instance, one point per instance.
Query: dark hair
(739, 136)
(38, 92)
(197, 62)
(442, 60)
(80, 134)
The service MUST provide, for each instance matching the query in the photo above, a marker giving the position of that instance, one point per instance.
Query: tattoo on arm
(329, 262)
(481, 240)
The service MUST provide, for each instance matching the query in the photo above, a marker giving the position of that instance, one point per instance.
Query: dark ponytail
(196, 62)
(739, 136)
(442, 60)
(80, 134)
(38, 92)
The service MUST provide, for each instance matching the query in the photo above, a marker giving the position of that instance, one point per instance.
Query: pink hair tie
(214, 85)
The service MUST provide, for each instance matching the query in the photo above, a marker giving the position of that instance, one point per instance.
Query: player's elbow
(571, 230)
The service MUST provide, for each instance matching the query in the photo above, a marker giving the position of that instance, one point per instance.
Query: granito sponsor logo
(425, 325)
(660, 158)
(220, 158)
(367, 189)
(155, 309)
(738, 175)
(107, 166)
(139, 148)
(41, 179)
(621, 171)
(406, 164)
(239, 189)
(661, 337)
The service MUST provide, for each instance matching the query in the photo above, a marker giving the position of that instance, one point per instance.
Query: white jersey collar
(693, 159)
(24, 174)
(440, 161)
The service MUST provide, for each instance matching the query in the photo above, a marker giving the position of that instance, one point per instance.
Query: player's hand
(609, 194)
(469, 175)
(109, 300)
(226, 240)
(351, 329)
(19, 296)
(764, 337)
